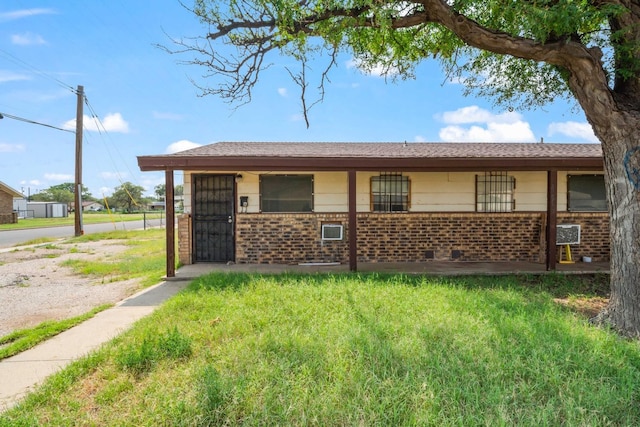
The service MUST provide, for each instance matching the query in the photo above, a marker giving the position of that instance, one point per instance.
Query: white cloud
(181, 146)
(494, 132)
(351, 64)
(167, 116)
(282, 91)
(27, 39)
(58, 177)
(475, 114)
(34, 182)
(485, 126)
(581, 131)
(420, 138)
(8, 76)
(11, 148)
(23, 13)
(111, 123)
(378, 70)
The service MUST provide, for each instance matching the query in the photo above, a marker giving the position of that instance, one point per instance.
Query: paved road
(10, 238)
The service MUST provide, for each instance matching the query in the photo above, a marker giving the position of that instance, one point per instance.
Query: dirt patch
(586, 306)
(35, 287)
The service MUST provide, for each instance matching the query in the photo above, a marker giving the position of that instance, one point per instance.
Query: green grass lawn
(145, 258)
(87, 218)
(354, 350)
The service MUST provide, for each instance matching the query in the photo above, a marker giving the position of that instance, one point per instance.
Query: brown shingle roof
(395, 150)
(378, 156)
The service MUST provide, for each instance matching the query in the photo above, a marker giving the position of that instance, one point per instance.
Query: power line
(27, 66)
(106, 137)
(22, 119)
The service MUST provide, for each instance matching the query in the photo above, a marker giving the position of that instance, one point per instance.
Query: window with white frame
(286, 193)
(494, 192)
(390, 192)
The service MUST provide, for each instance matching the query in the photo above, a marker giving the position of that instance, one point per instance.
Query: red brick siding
(6, 209)
(184, 239)
(288, 239)
(408, 237)
(477, 236)
(594, 234)
(8, 218)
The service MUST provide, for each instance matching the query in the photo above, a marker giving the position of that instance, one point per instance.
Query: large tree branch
(264, 33)
(561, 53)
(434, 11)
(223, 30)
(587, 77)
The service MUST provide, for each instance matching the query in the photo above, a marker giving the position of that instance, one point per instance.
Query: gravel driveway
(34, 287)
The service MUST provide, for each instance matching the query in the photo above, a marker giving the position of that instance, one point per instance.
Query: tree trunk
(620, 145)
(615, 118)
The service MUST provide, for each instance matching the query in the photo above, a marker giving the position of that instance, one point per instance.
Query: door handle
(230, 220)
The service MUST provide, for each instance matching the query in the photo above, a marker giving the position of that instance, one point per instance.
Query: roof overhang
(13, 192)
(163, 163)
(435, 157)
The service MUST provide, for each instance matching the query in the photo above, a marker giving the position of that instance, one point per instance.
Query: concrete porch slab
(441, 268)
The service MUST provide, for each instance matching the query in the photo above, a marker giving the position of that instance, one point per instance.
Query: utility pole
(79, 231)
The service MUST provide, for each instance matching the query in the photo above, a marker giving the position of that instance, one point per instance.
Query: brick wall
(184, 239)
(10, 218)
(594, 234)
(6, 209)
(408, 237)
(288, 239)
(473, 236)
(422, 237)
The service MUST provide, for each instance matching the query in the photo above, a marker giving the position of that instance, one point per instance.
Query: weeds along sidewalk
(23, 372)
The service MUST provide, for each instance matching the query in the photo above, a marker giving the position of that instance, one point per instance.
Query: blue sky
(147, 104)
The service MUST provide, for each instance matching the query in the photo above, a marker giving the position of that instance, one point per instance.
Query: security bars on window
(494, 192)
(390, 193)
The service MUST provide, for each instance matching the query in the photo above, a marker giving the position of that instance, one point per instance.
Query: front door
(213, 216)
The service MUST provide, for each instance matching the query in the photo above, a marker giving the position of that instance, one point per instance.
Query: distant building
(20, 207)
(88, 206)
(92, 207)
(48, 209)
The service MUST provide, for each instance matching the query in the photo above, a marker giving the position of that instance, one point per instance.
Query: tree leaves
(522, 45)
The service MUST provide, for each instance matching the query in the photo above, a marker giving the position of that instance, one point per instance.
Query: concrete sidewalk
(23, 372)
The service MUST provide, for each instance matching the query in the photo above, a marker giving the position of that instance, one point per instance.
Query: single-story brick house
(290, 203)
(7, 194)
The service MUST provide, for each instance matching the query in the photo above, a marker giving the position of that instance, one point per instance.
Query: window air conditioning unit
(332, 231)
(568, 234)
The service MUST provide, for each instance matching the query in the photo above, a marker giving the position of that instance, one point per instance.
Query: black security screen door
(213, 216)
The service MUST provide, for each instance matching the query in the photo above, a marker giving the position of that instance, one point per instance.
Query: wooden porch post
(353, 223)
(169, 204)
(552, 218)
